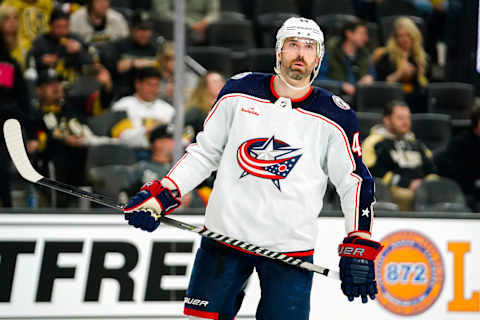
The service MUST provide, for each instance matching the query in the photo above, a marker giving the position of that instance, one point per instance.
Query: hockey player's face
(298, 58)
(399, 121)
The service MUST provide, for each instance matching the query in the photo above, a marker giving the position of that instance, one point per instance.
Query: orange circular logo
(409, 272)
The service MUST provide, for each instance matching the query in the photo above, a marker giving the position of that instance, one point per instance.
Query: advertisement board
(88, 266)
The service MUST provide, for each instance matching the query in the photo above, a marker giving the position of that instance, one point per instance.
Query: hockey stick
(13, 138)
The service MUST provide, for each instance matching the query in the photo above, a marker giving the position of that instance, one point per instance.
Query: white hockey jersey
(274, 157)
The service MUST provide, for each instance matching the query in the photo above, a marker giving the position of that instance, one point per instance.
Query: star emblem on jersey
(267, 158)
(365, 212)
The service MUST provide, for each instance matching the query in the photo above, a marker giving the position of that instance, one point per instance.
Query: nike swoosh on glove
(152, 200)
(357, 267)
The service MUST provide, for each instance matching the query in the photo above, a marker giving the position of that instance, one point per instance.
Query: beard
(298, 74)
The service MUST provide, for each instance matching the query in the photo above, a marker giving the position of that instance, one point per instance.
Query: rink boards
(89, 266)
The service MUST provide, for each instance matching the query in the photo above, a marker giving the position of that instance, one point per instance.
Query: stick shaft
(100, 199)
(16, 149)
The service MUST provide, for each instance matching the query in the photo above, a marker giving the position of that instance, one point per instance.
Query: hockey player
(274, 141)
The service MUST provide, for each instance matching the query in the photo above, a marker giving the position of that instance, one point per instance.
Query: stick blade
(14, 141)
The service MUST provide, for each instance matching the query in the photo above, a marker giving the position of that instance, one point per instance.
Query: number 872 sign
(405, 273)
(410, 273)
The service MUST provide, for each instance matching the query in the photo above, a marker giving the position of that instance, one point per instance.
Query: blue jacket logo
(266, 158)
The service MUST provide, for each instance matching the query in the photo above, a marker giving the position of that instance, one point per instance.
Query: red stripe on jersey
(176, 165)
(355, 222)
(293, 100)
(200, 314)
(300, 253)
(215, 107)
(345, 139)
(290, 254)
(349, 151)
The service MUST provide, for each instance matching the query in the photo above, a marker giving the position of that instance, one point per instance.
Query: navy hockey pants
(220, 274)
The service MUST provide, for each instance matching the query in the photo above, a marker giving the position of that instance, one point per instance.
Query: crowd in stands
(392, 153)
(93, 77)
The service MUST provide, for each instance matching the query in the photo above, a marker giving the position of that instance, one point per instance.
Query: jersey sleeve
(203, 157)
(350, 176)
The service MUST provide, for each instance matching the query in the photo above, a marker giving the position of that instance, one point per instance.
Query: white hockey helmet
(300, 28)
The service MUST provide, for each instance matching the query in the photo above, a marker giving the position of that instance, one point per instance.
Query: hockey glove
(357, 269)
(153, 200)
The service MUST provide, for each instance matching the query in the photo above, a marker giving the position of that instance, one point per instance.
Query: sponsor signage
(410, 273)
(98, 267)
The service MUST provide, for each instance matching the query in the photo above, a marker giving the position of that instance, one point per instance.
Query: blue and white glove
(154, 199)
(357, 268)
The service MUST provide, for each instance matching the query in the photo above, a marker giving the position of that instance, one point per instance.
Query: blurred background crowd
(92, 82)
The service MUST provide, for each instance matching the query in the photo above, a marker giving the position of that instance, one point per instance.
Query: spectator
(157, 166)
(34, 16)
(136, 51)
(392, 152)
(198, 15)
(65, 135)
(15, 104)
(64, 143)
(162, 145)
(60, 50)
(349, 58)
(96, 97)
(144, 110)
(52, 98)
(166, 65)
(97, 22)
(404, 60)
(460, 161)
(202, 99)
(9, 27)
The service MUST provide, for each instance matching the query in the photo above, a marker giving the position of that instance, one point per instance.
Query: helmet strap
(280, 75)
(278, 72)
(277, 69)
